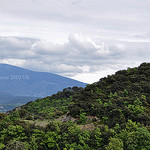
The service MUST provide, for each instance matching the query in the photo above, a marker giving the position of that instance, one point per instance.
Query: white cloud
(16, 62)
(48, 48)
(11, 42)
(94, 76)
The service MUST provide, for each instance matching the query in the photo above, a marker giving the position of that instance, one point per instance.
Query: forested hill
(117, 98)
(111, 114)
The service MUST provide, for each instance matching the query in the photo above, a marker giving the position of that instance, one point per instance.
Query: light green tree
(138, 140)
(115, 144)
(83, 118)
(33, 144)
(2, 146)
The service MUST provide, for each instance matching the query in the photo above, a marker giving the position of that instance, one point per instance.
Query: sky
(81, 39)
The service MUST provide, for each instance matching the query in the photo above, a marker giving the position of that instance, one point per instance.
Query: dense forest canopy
(111, 114)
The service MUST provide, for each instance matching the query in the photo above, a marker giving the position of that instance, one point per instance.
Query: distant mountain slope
(23, 82)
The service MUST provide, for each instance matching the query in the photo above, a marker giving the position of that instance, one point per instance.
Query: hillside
(117, 98)
(111, 114)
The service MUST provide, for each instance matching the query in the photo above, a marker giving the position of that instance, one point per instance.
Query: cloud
(78, 57)
(116, 15)
(86, 45)
(77, 49)
(11, 42)
(48, 48)
(15, 48)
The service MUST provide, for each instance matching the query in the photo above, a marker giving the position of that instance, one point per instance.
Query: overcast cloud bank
(80, 58)
(81, 39)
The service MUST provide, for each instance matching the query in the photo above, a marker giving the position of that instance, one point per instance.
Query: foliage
(117, 98)
(83, 118)
(115, 144)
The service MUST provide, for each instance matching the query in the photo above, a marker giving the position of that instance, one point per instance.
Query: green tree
(12, 133)
(33, 143)
(2, 146)
(138, 140)
(51, 140)
(115, 144)
(96, 138)
(82, 118)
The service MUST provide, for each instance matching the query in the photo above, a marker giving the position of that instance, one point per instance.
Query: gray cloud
(79, 55)
(116, 14)
(11, 47)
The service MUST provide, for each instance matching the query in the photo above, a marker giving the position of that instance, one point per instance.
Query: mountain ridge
(24, 82)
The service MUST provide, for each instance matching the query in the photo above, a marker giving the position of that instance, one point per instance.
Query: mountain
(111, 114)
(17, 81)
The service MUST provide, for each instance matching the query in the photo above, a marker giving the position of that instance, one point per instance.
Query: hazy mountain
(18, 81)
